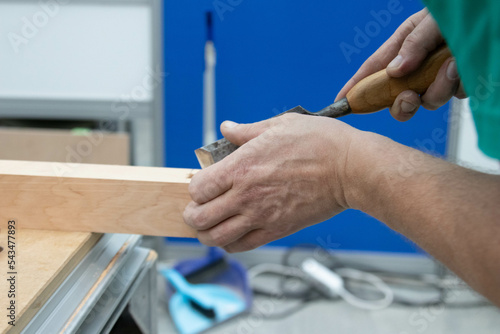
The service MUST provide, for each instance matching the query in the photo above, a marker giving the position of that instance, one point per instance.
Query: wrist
(366, 166)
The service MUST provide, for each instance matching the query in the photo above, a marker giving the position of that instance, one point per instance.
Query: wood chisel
(375, 92)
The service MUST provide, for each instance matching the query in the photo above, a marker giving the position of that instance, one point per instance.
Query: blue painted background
(272, 56)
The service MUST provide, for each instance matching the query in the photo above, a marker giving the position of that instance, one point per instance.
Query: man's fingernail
(451, 71)
(395, 62)
(408, 108)
(229, 124)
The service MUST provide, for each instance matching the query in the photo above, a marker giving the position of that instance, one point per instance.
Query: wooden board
(95, 198)
(43, 260)
(64, 145)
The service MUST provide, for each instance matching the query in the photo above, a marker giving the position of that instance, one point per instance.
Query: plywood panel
(43, 260)
(64, 146)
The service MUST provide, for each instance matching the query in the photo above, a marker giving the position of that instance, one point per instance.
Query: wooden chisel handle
(375, 92)
(378, 91)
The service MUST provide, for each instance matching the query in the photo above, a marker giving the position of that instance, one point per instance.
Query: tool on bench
(375, 92)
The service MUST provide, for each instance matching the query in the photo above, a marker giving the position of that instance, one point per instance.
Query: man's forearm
(451, 212)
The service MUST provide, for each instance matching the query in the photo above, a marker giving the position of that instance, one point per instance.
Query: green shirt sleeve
(472, 30)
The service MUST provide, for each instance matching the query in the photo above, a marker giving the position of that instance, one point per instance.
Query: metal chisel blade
(215, 152)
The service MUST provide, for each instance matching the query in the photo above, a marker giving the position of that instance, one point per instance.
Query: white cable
(378, 283)
(273, 268)
(332, 282)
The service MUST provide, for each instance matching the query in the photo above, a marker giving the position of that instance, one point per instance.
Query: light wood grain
(43, 260)
(64, 145)
(378, 91)
(95, 198)
(46, 258)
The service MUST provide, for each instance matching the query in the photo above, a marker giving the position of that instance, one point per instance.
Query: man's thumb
(239, 134)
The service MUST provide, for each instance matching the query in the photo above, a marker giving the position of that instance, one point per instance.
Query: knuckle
(248, 245)
(412, 41)
(219, 182)
(186, 215)
(409, 95)
(403, 32)
(246, 130)
(409, 25)
(376, 63)
(203, 189)
(283, 120)
(204, 239)
(217, 237)
(242, 169)
(212, 238)
(250, 194)
(269, 213)
(193, 190)
(230, 249)
(413, 21)
(198, 220)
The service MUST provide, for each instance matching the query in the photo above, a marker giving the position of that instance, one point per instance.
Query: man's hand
(286, 175)
(403, 53)
(294, 171)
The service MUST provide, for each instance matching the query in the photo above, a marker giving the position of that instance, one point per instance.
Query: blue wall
(272, 56)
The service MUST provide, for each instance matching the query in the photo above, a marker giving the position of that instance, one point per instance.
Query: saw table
(85, 291)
